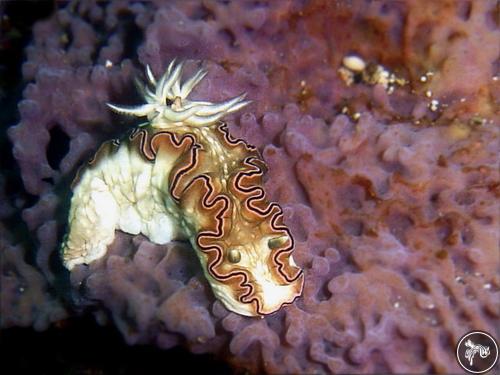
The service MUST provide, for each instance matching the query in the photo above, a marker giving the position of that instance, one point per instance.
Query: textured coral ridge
(182, 175)
(395, 216)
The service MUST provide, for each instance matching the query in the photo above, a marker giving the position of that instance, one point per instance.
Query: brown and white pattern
(182, 175)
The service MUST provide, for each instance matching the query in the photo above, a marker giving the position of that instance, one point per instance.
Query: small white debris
(108, 64)
(385, 76)
(434, 105)
(428, 93)
(426, 77)
(354, 63)
(354, 69)
(487, 286)
(346, 75)
(397, 305)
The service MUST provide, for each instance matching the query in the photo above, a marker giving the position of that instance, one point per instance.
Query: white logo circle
(477, 352)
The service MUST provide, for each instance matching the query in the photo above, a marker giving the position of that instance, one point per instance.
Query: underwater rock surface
(392, 198)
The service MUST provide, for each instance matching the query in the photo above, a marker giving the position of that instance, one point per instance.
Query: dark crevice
(102, 40)
(203, 13)
(131, 34)
(228, 36)
(49, 180)
(323, 293)
(58, 146)
(68, 38)
(464, 9)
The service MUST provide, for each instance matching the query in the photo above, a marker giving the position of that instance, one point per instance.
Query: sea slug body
(181, 175)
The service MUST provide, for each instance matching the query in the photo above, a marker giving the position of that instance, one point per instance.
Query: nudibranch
(181, 175)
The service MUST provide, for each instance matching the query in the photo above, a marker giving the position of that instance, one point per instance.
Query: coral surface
(392, 196)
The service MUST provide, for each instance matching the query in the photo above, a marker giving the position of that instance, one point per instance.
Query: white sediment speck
(434, 105)
(354, 63)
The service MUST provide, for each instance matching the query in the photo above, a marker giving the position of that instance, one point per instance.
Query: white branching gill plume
(167, 103)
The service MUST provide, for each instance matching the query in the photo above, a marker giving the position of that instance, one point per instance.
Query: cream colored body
(123, 192)
(238, 236)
